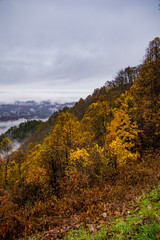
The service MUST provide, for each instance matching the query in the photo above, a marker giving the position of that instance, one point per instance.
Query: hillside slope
(87, 163)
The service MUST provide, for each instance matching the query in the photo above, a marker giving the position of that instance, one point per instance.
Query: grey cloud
(58, 43)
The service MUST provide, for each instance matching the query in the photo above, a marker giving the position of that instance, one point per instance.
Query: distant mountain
(30, 110)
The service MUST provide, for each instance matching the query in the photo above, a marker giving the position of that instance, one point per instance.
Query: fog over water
(4, 126)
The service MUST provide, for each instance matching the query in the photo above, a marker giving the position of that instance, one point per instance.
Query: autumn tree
(97, 119)
(126, 77)
(5, 150)
(1, 172)
(145, 96)
(29, 176)
(15, 170)
(122, 141)
(56, 148)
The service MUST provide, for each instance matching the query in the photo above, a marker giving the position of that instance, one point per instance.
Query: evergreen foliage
(22, 131)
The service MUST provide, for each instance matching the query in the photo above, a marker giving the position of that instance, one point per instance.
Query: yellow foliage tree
(56, 148)
(96, 120)
(79, 161)
(17, 158)
(144, 97)
(91, 162)
(123, 141)
(5, 150)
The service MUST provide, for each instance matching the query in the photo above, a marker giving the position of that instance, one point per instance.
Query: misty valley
(19, 112)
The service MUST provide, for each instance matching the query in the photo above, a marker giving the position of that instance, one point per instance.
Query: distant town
(30, 110)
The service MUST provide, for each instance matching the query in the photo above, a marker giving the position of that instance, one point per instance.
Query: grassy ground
(142, 222)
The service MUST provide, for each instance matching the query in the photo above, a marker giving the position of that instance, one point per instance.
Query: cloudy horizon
(61, 50)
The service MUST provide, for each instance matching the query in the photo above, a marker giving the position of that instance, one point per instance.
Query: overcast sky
(64, 49)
